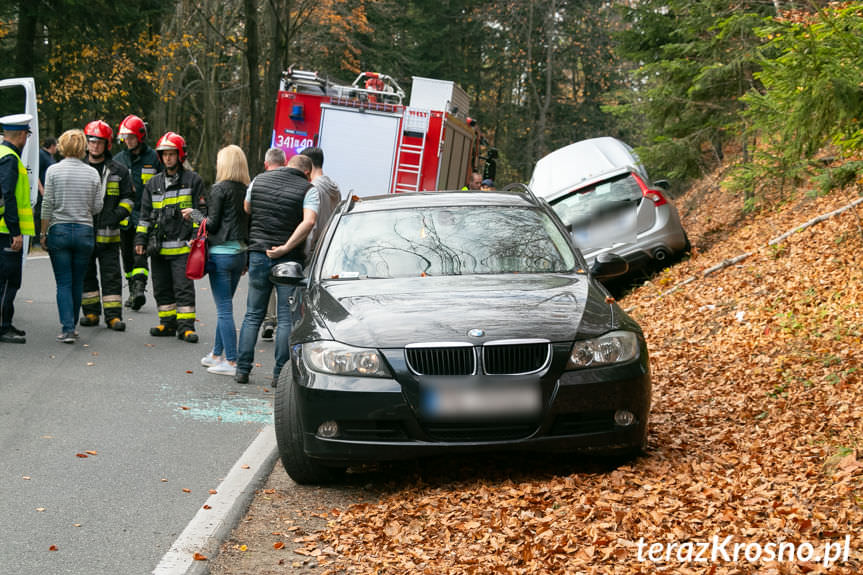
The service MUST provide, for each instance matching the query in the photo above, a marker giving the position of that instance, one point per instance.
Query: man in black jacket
(278, 226)
(119, 199)
(165, 226)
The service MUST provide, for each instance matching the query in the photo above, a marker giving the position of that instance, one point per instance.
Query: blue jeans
(224, 271)
(70, 246)
(260, 288)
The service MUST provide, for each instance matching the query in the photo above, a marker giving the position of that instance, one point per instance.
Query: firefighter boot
(116, 324)
(136, 293)
(188, 335)
(166, 329)
(128, 302)
(89, 320)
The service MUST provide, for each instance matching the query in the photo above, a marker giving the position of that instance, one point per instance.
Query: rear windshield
(608, 195)
(446, 241)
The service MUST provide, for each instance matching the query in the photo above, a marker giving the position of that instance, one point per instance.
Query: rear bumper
(666, 234)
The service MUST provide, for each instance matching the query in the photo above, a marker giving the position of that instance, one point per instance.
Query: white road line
(211, 526)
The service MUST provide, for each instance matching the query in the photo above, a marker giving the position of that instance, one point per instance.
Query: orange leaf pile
(756, 426)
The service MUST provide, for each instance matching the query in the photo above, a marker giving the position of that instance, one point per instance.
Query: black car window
(608, 195)
(446, 241)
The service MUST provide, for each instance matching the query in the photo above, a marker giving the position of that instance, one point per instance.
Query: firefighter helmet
(172, 141)
(101, 130)
(134, 125)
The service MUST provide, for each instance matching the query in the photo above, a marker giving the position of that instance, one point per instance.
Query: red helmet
(172, 141)
(99, 129)
(134, 125)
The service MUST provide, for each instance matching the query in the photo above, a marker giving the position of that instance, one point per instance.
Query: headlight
(613, 347)
(340, 359)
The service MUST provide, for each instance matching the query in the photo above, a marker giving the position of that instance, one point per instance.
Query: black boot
(136, 293)
(168, 329)
(89, 320)
(128, 302)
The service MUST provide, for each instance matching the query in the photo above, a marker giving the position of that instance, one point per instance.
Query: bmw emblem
(476, 333)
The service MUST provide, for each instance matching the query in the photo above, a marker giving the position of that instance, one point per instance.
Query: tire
(289, 435)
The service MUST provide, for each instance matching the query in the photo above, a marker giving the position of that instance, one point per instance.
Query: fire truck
(373, 143)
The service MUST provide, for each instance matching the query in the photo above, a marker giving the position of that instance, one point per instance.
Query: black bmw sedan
(442, 322)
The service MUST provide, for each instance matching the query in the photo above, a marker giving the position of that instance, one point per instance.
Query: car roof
(439, 199)
(583, 163)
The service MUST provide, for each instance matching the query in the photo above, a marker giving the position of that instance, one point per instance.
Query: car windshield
(608, 195)
(446, 241)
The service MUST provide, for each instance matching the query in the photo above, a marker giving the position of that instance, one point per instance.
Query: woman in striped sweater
(73, 195)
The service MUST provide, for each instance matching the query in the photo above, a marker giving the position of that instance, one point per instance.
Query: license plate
(512, 400)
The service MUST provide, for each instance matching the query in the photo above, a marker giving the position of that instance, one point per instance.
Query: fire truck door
(359, 149)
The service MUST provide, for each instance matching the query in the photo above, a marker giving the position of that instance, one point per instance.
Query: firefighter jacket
(118, 203)
(142, 166)
(162, 203)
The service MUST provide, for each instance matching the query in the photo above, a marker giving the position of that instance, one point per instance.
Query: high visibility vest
(22, 198)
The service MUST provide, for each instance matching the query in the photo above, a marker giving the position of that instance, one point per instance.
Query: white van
(18, 96)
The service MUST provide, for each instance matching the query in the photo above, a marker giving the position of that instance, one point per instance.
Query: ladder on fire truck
(409, 156)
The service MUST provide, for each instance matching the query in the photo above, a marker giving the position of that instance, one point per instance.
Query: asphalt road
(150, 420)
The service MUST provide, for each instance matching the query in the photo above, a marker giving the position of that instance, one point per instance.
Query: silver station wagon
(602, 192)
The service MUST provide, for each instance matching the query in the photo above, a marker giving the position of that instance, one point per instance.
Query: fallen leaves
(757, 414)
(199, 557)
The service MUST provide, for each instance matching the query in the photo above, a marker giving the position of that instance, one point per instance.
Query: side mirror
(665, 185)
(609, 265)
(287, 273)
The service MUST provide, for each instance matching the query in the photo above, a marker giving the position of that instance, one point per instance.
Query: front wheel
(289, 435)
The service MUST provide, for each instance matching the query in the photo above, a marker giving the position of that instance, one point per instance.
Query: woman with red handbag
(227, 236)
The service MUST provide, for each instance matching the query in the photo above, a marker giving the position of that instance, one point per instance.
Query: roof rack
(524, 189)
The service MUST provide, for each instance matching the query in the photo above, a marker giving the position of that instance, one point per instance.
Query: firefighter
(118, 202)
(164, 229)
(143, 163)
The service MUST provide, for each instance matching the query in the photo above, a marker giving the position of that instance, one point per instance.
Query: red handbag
(196, 264)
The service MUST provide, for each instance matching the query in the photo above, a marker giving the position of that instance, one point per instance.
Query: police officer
(164, 229)
(119, 200)
(143, 163)
(16, 219)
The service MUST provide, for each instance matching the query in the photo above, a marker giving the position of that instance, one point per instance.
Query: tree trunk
(26, 38)
(257, 132)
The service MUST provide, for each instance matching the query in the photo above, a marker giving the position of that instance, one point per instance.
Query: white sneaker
(210, 360)
(223, 368)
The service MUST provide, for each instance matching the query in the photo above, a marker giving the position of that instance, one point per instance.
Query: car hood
(390, 313)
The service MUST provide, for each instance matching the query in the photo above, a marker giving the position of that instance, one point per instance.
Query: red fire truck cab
(373, 143)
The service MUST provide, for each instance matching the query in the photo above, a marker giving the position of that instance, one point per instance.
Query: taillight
(654, 196)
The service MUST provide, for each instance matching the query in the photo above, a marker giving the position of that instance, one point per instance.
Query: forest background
(771, 88)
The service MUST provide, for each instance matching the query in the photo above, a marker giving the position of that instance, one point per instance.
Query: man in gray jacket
(329, 197)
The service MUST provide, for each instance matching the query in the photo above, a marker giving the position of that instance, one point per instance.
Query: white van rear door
(18, 96)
